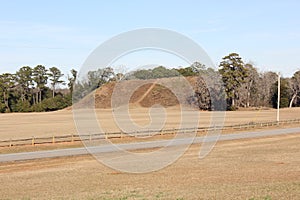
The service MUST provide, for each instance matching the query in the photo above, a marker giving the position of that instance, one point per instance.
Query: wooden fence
(100, 136)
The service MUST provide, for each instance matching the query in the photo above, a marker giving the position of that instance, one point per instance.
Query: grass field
(265, 168)
(26, 125)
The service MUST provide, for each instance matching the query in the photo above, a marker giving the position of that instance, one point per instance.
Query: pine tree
(233, 75)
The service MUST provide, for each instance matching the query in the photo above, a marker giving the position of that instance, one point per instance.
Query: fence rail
(100, 136)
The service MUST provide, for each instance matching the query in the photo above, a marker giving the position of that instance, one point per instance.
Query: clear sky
(63, 33)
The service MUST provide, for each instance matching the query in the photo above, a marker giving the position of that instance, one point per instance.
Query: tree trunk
(248, 99)
(40, 96)
(249, 92)
(33, 99)
(292, 100)
(233, 99)
(6, 101)
(37, 97)
(53, 91)
(22, 97)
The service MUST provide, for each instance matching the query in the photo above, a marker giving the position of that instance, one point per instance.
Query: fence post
(167, 131)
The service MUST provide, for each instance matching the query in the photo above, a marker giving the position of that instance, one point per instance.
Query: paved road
(140, 145)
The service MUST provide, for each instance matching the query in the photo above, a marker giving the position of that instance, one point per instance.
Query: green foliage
(188, 71)
(56, 103)
(97, 78)
(157, 72)
(195, 69)
(36, 89)
(55, 75)
(2, 107)
(40, 76)
(233, 74)
(72, 80)
(6, 83)
(27, 90)
(285, 94)
(25, 82)
(231, 108)
(162, 72)
(93, 80)
(284, 102)
(143, 74)
(37, 108)
(23, 106)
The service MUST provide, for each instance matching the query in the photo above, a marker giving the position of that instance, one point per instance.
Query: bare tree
(295, 87)
(264, 88)
(247, 93)
(202, 97)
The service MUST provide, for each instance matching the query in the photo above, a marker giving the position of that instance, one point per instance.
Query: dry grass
(26, 125)
(40, 147)
(244, 169)
(63, 145)
(61, 123)
(265, 168)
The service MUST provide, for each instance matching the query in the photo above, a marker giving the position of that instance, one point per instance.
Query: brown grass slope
(148, 94)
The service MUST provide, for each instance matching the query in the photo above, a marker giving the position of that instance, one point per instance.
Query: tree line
(35, 90)
(243, 84)
(246, 87)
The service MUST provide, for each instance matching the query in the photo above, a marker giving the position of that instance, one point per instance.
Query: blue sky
(64, 33)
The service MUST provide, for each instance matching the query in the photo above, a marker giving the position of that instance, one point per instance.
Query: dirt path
(146, 93)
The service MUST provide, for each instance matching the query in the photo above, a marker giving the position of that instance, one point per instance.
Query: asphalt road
(140, 145)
